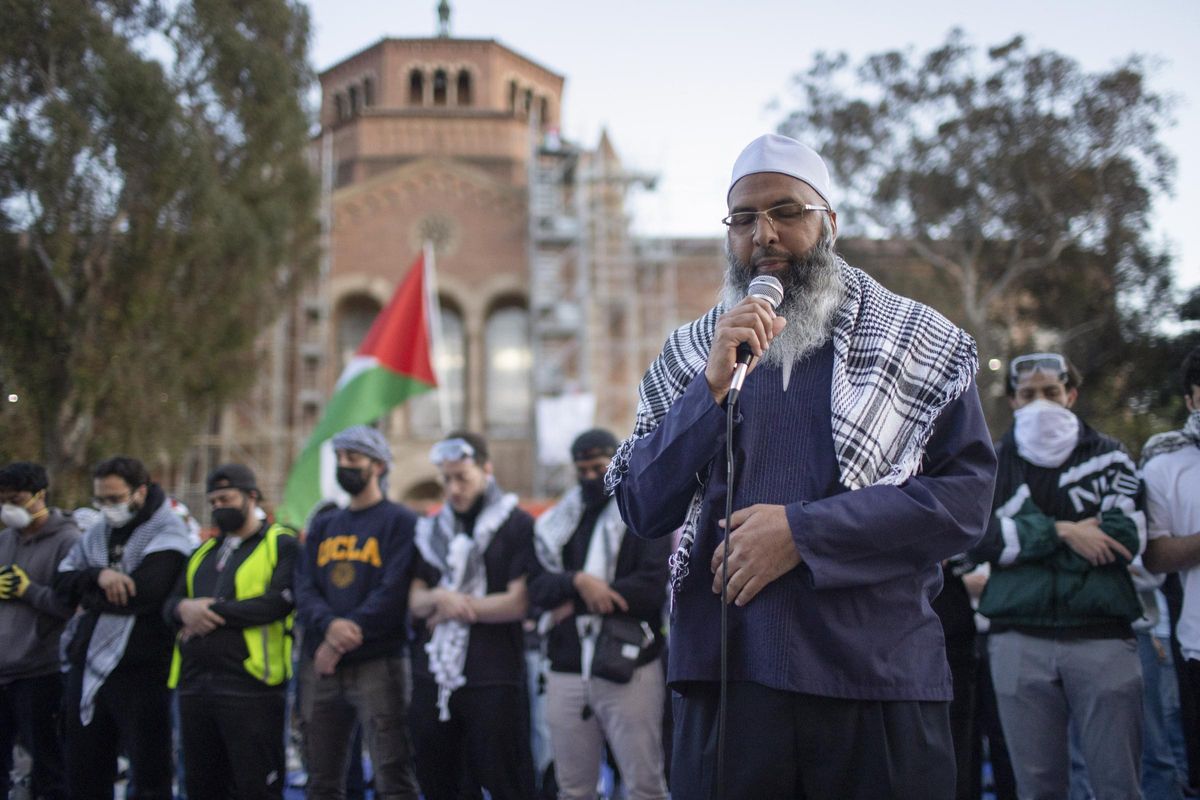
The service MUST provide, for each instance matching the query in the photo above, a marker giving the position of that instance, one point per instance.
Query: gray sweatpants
(629, 715)
(1042, 684)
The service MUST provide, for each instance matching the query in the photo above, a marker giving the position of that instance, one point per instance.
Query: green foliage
(157, 211)
(1027, 182)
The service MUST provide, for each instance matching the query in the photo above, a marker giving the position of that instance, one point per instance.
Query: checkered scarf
(164, 530)
(458, 556)
(896, 365)
(1163, 443)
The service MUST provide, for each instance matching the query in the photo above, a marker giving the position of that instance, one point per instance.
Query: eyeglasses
(111, 499)
(785, 215)
(451, 450)
(1034, 362)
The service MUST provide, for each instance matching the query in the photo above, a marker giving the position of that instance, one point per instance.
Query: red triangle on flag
(399, 336)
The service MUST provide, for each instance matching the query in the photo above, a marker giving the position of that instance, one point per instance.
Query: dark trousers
(487, 733)
(1189, 702)
(372, 693)
(29, 714)
(233, 745)
(789, 745)
(132, 715)
(987, 726)
(960, 653)
(1189, 688)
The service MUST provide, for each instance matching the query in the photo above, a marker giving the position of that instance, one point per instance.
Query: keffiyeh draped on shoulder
(1163, 443)
(458, 555)
(897, 364)
(165, 530)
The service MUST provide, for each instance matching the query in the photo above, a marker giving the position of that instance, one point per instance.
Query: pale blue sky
(682, 86)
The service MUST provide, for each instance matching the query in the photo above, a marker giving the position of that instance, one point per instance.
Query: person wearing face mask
(592, 572)
(118, 650)
(469, 595)
(1066, 524)
(34, 538)
(233, 608)
(1171, 472)
(351, 586)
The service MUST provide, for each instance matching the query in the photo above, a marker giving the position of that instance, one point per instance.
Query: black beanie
(596, 442)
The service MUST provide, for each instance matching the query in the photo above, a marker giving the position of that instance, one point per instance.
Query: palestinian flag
(392, 364)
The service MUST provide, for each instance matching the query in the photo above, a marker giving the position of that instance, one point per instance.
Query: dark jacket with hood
(30, 626)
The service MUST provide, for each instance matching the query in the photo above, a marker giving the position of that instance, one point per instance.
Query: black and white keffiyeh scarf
(896, 365)
(1163, 443)
(165, 530)
(552, 531)
(458, 555)
(557, 524)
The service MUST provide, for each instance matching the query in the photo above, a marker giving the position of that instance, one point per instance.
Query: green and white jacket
(1037, 581)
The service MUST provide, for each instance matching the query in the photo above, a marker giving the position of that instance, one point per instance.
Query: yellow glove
(14, 582)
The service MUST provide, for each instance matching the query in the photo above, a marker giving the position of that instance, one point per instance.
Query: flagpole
(434, 315)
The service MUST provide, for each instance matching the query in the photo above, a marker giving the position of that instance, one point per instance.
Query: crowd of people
(890, 601)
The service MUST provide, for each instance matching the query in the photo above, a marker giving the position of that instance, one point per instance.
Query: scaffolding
(586, 298)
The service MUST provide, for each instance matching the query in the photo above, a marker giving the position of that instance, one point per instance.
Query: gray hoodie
(30, 626)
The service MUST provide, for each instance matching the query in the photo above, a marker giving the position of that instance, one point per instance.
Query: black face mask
(228, 519)
(352, 479)
(593, 491)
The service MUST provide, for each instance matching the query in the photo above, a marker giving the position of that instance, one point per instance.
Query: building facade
(550, 308)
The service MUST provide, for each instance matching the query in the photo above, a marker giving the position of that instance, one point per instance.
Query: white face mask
(14, 516)
(1046, 433)
(118, 514)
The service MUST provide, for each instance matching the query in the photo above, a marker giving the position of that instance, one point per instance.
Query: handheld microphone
(770, 289)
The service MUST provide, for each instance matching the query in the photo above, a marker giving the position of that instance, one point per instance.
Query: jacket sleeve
(154, 579)
(44, 598)
(379, 609)
(879, 533)
(177, 595)
(1119, 507)
(1026, 533)
(71, 585)
(548, 590)
(274, 604)
(312, 611)
(644, 587)
(666, 466)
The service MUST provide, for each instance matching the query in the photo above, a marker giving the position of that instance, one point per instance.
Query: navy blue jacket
(853, 620)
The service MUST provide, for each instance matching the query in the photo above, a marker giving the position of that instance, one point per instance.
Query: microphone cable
(730, 412)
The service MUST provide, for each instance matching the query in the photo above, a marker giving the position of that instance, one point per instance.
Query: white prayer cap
(774, 153)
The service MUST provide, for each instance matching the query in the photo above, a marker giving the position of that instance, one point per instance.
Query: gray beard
(812, 292)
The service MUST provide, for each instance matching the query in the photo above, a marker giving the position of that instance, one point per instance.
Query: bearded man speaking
(863, 460)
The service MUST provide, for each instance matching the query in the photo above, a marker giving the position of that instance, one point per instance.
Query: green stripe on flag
(367, 397)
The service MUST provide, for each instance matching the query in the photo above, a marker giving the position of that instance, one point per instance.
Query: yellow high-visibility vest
(269, 646)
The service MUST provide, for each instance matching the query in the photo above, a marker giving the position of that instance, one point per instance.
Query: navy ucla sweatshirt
(357, 565)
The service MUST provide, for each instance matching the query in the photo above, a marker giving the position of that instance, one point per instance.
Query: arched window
(512, 96)
(464, 88)
(339, 105)
(416, 88)
(353, 100)
(440, 87)
(354, 317)
(508, 388)
(368, 92)
(449, 362)
(528, 101)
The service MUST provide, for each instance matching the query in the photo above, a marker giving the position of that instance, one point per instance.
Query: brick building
(550, 308)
